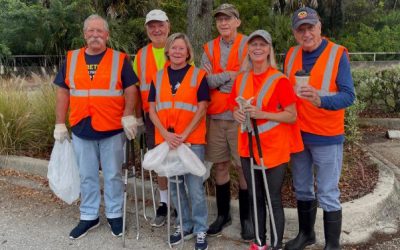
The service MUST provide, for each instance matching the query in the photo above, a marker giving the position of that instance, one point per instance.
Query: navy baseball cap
(304, 15)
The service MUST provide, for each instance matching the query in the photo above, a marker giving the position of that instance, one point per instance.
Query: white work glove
(130, 124)
(61, 132)
(140, 126)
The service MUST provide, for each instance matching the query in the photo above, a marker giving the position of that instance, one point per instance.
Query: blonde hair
(184, 37)
(247, 64)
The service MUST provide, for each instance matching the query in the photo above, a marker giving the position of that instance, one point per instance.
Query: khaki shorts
(222, 141)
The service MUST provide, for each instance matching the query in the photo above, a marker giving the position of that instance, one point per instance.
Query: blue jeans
(109, 153)
(197, 218)
(327, 160)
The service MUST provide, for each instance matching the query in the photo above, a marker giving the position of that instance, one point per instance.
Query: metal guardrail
(391, 55)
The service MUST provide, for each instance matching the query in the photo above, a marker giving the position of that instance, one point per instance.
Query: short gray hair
(185, 38)
(94, 17)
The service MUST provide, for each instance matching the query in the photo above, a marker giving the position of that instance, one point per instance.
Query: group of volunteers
(109, 100)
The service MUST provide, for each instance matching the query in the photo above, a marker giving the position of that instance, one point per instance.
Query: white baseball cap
(156, 15)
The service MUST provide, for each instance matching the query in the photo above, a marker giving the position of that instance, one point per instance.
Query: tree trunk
(200, 21)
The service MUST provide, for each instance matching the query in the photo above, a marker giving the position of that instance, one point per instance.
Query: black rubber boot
(332, 229)
(246, 221)
(306, 212)
(223, 196)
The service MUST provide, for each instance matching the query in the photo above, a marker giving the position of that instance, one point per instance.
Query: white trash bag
(63, 173)
(167, 162)
(154, 157)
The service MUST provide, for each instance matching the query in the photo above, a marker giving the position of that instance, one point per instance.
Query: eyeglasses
(220, 19)
(304, 28)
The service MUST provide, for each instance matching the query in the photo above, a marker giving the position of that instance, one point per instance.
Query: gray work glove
(61, 132)
(130, 124)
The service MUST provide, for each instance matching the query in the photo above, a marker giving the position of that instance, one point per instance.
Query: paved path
(387, 151)
(30, 217)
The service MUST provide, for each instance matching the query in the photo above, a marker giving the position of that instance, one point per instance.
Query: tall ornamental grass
(26, 115)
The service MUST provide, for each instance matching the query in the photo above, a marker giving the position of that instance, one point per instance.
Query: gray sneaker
(161, 216)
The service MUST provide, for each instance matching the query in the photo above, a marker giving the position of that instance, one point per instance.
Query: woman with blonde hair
(273, 107)
(178, 101)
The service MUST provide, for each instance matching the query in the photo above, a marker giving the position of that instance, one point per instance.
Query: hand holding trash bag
(63, 173)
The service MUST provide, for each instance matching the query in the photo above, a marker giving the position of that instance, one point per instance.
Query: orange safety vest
(101, 98)
(178, 111)
(146, 69)
(219, 100)
(274, 136)
(323, 78)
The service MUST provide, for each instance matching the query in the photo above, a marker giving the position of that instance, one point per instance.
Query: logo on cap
(302, 14)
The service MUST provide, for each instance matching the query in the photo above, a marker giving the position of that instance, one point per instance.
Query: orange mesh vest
(101, 98)
(323, 78)
(178, 111)
(219, 100)
(146, 68)
(274, 136)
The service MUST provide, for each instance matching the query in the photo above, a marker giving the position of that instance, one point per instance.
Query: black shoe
(116, 226)
(83, 227)
(220, 223)
(306, 212)
(332, 229)
(176, 238)
(201, 242)
(161, 215)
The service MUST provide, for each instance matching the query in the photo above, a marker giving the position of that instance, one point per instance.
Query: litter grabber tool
(174, 164)
(143, 149)
(254, 167)
(176, 181)
(129, 163)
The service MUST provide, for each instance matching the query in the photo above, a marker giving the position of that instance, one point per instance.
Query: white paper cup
(301, 81)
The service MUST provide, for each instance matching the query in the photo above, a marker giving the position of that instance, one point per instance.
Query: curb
(375, 212)
(389, 123)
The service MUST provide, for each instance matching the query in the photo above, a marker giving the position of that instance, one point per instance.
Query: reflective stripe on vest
(179, 105)
(144, 86)
(74, 59)
(291, 60)
(185, 106)
(324, 91)
(210, 46)
(241, 47)
(326, 82)
(266, 126)
(112, 91)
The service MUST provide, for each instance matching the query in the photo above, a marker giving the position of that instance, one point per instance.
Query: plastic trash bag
(154, 157)
(167, 162)
(63, 173)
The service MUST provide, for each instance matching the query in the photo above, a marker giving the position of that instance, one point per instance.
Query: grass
(26, 115)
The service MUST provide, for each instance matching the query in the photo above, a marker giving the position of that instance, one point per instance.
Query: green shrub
(378, 89)
(352, 131)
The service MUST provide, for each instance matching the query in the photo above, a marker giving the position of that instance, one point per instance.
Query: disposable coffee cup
(301, 81)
